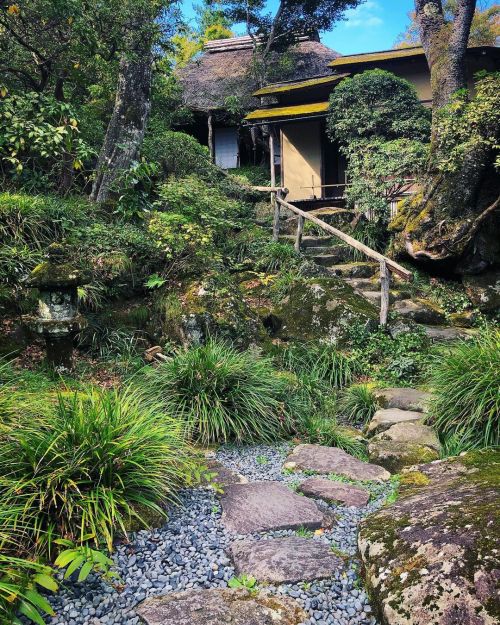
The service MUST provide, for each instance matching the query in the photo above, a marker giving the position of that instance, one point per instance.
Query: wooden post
(300, 230)
(276, 218)
(385, 280)
(211, 138)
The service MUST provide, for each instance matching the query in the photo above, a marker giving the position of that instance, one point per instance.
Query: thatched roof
(224, 69)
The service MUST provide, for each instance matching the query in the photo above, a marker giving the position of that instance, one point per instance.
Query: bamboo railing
(387, 265)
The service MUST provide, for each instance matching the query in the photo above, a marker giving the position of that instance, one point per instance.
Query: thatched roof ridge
(225, 70)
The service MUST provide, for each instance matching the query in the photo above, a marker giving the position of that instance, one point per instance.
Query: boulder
(383, 419)
(320, 309)
(333, 460)
(420, 311)
(484, 290)
(285, 560)
(220, 607)
(431, 558)
(265, 506)
(410, 433)
(332, 491)
(394, 456)
(402, 398)
(443, 335)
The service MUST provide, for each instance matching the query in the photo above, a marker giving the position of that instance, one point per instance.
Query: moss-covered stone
(320, 308)
(431, 558)
(395, 455)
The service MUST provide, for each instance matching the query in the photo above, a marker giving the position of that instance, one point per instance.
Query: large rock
(403, 398)
(332, 491)
(220, 607)
(420, 311)
(320, 308)
(387, 417)
(410, 433)
(333, 460)
(484, 290)
(431, 558)
(264, 506)
(285, 560)
(394, 456)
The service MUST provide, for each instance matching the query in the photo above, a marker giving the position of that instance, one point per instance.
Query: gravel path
(189, 551)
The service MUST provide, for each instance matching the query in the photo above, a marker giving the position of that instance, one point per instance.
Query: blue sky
(374, 25)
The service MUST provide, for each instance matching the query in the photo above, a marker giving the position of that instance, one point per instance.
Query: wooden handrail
(393, 266)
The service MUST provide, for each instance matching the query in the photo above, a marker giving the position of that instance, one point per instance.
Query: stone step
(420, 311)
(325, 460)
(308, 241)
(284, 560)
(374, 296)
(403, 398)
(328, 259)
(440, 334)
(332, 491)
(364, 284)
(386, 417)
(267, 506)
(354, 270)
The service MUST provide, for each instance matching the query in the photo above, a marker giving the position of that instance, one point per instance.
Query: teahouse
(312, 169)
(218, 88)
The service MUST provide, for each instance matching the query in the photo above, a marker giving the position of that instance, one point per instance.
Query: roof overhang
(288, 112)
(376, 57)
(299, 85)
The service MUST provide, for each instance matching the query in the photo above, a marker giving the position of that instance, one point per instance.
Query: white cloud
(364, 16)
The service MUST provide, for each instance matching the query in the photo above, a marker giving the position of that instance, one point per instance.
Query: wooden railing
(387, 265)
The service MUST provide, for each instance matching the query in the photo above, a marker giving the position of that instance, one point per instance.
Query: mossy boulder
(484, 290)
(214, 306)
(431, 558)
(396, 455)
(320, 309)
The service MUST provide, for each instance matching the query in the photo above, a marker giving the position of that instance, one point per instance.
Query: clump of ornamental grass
(357, 404)
(466, 383)
(221, 394)
(326, 431)
(87, 467)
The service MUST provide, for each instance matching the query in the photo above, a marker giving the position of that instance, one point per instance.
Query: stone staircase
(364, 277)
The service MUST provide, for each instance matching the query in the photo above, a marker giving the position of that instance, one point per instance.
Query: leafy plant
(82, 558)
(221, 394)
(464, 378)
(304, 532)
(357, 404)
(90, 464)
(243, 581)
(273, 255)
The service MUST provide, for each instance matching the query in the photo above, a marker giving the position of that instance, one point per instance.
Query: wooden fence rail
(387, 265)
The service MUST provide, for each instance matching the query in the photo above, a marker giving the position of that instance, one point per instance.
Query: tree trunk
(131, 109)
(451, 223)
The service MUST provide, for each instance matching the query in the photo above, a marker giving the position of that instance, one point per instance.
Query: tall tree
(449, 222)
(127, 125)
(485, 27)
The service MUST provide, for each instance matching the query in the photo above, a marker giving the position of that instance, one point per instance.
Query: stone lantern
(58, 319)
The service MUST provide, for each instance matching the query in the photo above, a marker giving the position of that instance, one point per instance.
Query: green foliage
(83, 469)
(84, 559)
(37, 135)
(134, 186)
(467, 126)
(377, 104)
(464, 378)
(358, 404)
(221, 394)
(326, 431)
(273, 255)
(303, 532)
(243, 581)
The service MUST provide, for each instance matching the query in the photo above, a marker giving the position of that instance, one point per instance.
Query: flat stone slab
(420, 311)
(395, 456)
(323, 459)
(285, 560)
(338, 492)
(220, 607)
(264, 506)
(403, 398)
(222, 476)
(442, 335)
(385, 418)
(410, 433)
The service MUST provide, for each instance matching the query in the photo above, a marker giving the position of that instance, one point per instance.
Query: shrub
(358, 404)
(85, 467)
(465, 380)
(221, 394)
(273, 255)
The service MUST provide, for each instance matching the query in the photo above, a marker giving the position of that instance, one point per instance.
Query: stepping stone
(220, 607)
(329, 490)
(284, 560)
(223, 476)
(333, 460)
(265, 506)
(420, 311)
(395, 456)
(442, 335)
(403, 398)
(410, 433)
(385, 418)
(355, 270)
